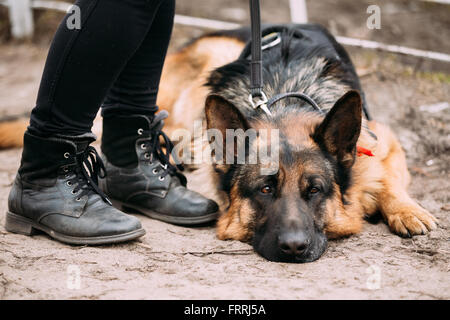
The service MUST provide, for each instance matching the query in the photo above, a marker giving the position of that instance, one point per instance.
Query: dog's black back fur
(313, 62)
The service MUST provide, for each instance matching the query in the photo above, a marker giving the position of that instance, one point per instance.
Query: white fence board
(21, 15)
(299, 13)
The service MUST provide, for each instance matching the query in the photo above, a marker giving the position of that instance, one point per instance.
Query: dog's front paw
(411, 220)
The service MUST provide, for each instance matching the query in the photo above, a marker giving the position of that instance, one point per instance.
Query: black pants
(114, 61)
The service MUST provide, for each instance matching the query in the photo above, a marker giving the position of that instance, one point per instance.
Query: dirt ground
(172, 262)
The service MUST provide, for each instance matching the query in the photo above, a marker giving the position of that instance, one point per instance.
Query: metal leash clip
(261, 103)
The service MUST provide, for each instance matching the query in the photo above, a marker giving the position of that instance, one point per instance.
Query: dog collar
(265, 103)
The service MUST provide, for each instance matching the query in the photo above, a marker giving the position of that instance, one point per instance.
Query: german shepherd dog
(334, 168)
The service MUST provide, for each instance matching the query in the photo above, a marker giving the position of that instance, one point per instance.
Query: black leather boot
(141, 177)
(56, 191)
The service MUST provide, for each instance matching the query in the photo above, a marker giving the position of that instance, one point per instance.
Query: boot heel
(17, 224)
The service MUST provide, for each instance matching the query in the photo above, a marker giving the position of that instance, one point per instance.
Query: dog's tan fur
(380, 182)
(11, 133)
(182, 91)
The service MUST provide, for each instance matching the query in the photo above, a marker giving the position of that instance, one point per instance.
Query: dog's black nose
(293, 243)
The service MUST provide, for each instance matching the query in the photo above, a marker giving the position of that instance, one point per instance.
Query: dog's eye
(266, 189)
(314, 190)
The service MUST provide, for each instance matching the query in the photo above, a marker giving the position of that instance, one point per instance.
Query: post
(298, 11)
(21, 16)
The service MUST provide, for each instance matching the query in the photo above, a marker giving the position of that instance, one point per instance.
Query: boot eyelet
(65, 169)
(66, 155)
(78, 199)
(140, 131)
(146, 156)
(143, 147)
(161, 178)
(73, 192)
(155, 171)
(69, 184)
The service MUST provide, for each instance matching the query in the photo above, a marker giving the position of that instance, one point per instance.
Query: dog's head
(285, 213)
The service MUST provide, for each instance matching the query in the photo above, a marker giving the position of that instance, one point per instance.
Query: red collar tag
(361, 151)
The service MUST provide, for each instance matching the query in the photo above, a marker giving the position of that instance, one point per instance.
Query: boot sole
(22, 225)
(183, 221)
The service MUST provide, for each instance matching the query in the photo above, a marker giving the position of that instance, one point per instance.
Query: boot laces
(88, 168)
(162, 151)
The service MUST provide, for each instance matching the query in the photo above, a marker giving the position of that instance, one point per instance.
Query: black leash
(256, 77)
(256, 74)
(258, 98)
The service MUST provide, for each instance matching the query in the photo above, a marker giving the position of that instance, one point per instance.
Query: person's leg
(56, 190)
(140, 176)
(82, 65)
(136, 89)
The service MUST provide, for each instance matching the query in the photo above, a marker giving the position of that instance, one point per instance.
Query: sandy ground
(172, 262)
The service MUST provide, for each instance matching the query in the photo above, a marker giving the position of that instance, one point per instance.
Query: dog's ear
(222, 115)
(339, 131)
